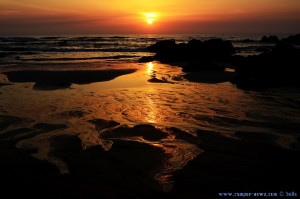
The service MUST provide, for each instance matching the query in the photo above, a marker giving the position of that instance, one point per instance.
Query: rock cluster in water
(208, 55)
(270, 69)
(277, 67)
(270, 39)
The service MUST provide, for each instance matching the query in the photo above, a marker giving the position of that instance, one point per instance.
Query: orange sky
(128, 16)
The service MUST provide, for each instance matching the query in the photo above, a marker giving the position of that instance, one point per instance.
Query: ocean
(109, 48)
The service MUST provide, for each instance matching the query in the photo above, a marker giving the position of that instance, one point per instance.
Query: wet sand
(71, 153)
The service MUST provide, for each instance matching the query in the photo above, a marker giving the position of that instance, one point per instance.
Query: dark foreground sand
(252, 163)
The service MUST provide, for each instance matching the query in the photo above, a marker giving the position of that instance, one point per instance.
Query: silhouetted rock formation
(274, 67)
(294, 39)
(247, 40)
(207, 55)
(270, 39)
(146, 59)
(262, 49)
(7, 120)
(4, 84)
(162, 46)
(2, 55)
(271, 69)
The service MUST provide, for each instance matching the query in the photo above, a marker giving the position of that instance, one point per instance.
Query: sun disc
(150, 18)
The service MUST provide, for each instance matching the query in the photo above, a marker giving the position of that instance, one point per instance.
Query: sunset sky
(148, 16)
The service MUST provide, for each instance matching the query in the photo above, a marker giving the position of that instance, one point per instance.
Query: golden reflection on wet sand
(152, 114)
(131, 100)
(150, 67)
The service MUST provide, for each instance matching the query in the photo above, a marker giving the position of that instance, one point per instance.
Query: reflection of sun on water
(152, 114)
(150, 67)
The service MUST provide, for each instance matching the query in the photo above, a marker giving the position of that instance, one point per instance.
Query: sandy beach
(95, 133)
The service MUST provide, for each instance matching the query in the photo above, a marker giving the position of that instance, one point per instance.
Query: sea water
(112, 48)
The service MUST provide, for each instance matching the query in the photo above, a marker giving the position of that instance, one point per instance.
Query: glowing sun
(150, 21)
(150, 18)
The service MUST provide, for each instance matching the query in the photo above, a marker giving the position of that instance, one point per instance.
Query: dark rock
(7, 120)
(210, 76)
(199, 55)
(148, 132)
(156, 80)
(162, 46)
(4, 84)
(2, 55)
(294, 39)
(181, 134)
(16, 132)
(49, 127)
(247, 40)
(262, 49)
(167, 51)
(144, 126)
(271, 69)
(270, 39)
(195, 43)
(203, 66)
(285, 53)
(252, 163)
(146, 59)
(101, 124)
(257, 137)
(219, 46)
(20, 171)
(236, 60)
(16, 135)
(73, 113)
(125, 171)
